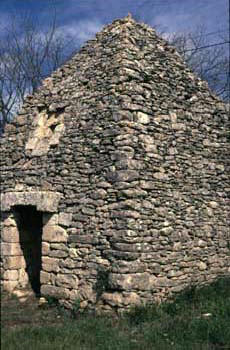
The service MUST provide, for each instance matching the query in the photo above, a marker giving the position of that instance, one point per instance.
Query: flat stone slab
(43, 200)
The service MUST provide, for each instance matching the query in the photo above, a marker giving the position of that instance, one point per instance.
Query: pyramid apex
(128, 18)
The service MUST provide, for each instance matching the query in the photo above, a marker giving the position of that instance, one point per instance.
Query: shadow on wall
(102, 282)
(29, 222)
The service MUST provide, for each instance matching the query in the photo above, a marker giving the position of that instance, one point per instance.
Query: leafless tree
(28, 53)
(208, 60)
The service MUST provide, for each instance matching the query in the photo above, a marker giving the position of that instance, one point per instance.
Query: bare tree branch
(27, 55)
(210, 64)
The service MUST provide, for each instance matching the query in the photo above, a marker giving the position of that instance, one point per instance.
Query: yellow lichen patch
(48, 130)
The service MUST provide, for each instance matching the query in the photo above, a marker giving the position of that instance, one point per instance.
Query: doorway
(29, 223)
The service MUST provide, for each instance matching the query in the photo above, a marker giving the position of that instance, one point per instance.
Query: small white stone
(202, 266)
(173, 117)
(213, 204)
(42, 301)
(207, 315)
(142, 118)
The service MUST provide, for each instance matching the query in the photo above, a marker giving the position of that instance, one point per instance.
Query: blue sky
(84, 18)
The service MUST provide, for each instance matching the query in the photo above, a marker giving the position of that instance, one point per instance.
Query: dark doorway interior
(29, 222)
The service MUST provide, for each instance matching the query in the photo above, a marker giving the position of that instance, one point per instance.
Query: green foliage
(141, 314)
(102, 283)
(52, 301)
(76, 308)
(197, 319)
(76, 305)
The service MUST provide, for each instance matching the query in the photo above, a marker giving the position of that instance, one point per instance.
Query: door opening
(29, 222)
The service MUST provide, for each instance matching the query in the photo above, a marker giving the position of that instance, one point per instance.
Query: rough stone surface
(44, 201)
(129, 282)
(13, 249)
(54, 233)
(126, 154)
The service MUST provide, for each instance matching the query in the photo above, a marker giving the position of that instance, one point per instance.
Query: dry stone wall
(137, 148)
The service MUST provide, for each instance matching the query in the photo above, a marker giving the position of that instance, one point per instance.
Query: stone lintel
(44, 200)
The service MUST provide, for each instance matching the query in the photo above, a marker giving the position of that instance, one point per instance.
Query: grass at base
(196, 319)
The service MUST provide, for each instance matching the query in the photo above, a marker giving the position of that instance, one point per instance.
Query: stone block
(11, 249)
(160, 176)
(45, 248)
(162, 282)
(223, 243)
(54, 291)
(113, 299)
(150, 148)
(115, 254)
(59, 246)
(123, 176)
(50, 268)
(74, 294)
(132, 164)
(23, 277)
(9, 286)
(45, 277)
(178, 126)
(88, 211)
(128, 247)
(166, 230)
(54, 233)
(83, 239)
(137, 281)
(123, 266)
(67, 263)
(10, 234)
(202, 266)
(131, 299)
(86, 292)
(58, 254)
(125, 214)
(7, 200)
(10, 222)
(11, 275)
(147, 185)
(213, 204)
(99, 194)
(44, 200)
(142, 118)
(201, 243)
(48, 201)
(14, 262)
(83, 304)
(73, 252)
(155, 268)
(133, 193)
(50, 264)
(69, 281)
(65, 219)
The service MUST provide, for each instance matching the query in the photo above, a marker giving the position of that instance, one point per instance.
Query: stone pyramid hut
(116, 177)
